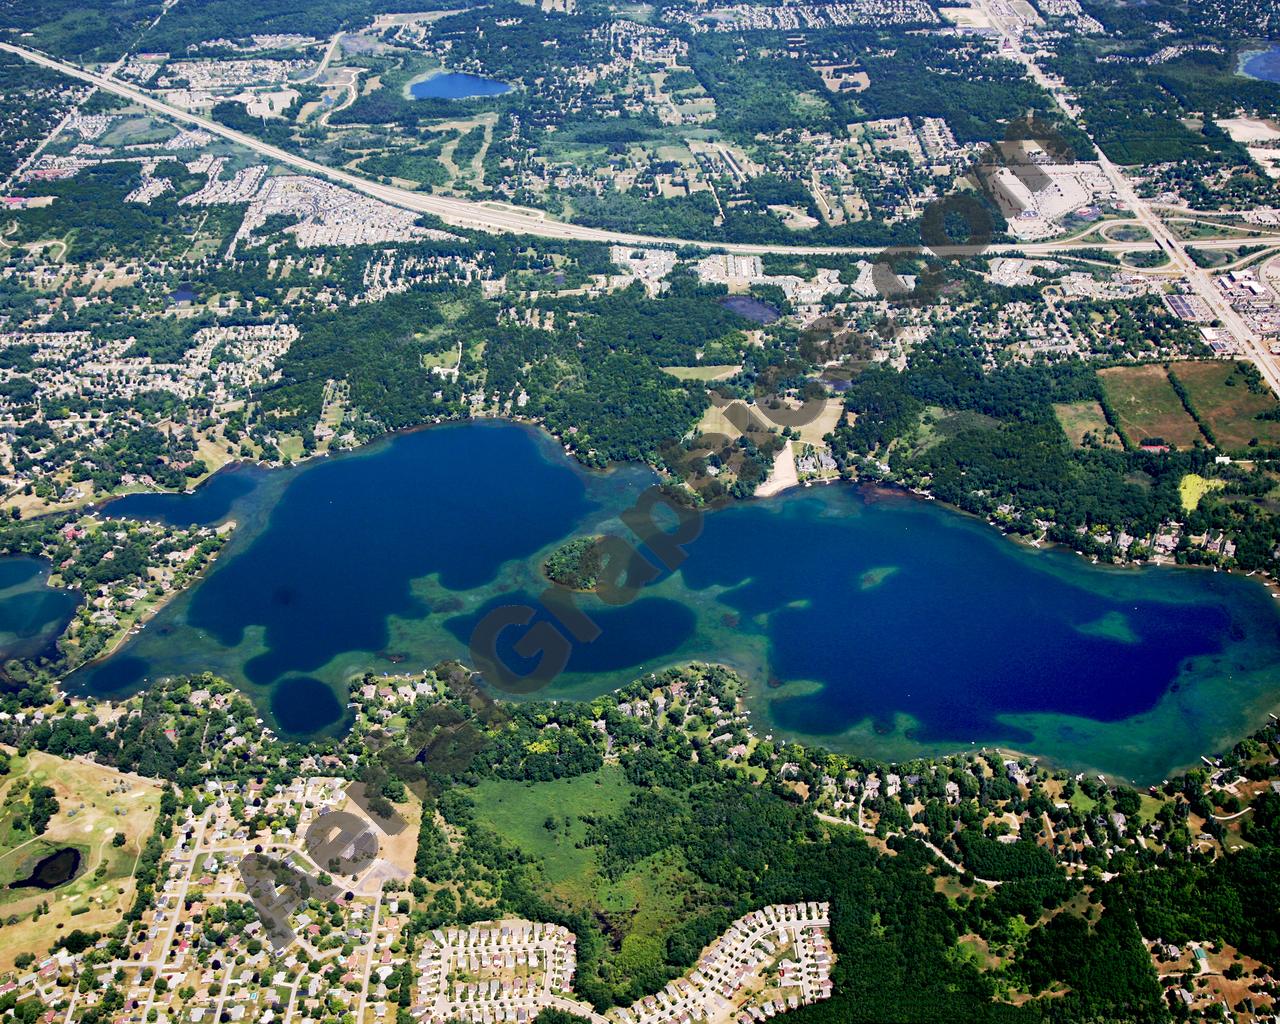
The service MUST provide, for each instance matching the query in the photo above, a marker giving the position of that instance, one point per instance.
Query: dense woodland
(1014, 452)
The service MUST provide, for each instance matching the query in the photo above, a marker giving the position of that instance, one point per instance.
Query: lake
(456, 85)
(868, 621)
(32, 614)
(751, 308)
(1263, 65)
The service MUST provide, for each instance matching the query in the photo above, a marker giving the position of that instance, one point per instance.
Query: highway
(506, 218)
(1200, 281)
(496, 216)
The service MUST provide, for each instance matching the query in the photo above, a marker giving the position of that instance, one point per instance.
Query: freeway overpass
(490, 216)
(504, 217)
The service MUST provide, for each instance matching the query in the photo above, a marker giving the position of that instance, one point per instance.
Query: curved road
(490, 216)
(495, 216)
(1200, 282)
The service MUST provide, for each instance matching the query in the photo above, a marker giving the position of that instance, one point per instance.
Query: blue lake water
(1263, 65)
(868, 621)
(457, 85)
(32, 613)
(750, 307)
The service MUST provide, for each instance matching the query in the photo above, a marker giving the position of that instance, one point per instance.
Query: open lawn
(1081, 418)
(715, 372)
(95, 802)
(826, 421)
(676, 154)
(639, 908)
(520, 812)
(1147, 406)
(1221, 396)
(135, 131)
(1193, 487)
(714, 421)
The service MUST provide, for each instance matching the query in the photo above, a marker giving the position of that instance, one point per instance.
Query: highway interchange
(504, 217)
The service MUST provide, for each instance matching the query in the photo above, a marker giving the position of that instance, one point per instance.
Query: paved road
(1200, 281)
(368, 960)
(161, 948)
(330, 50)
(497, 216)
(487, 216)
(503, 217)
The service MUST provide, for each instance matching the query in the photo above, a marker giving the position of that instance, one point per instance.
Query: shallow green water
(869, 622)
(32, 613)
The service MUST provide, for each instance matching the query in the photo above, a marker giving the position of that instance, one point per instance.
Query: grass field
(1230, 409)
(1147, 405)
(714, 421)
(716, 372)
(95, 802)
(519, 811)
(1144, 258)
(824, 423)
(1126, 232)
(646, 903)
(1193, 487)
(938, 424)
(1080, 418)
(639, 908)
(136, 130)
(1210, 258)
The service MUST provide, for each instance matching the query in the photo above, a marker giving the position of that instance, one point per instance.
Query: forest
(729, 845)
(1018, 455)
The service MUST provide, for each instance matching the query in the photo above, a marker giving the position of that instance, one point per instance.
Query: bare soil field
(1147, 406)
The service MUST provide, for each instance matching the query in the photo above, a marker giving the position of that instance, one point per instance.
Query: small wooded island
(576, 564)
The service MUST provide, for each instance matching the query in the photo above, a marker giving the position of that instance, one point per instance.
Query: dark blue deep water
(896, 611)
(456, 85)
(869, 621)
(1264, 65)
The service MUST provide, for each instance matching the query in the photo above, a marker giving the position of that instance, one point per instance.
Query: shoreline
(1245, 56)
(152, 610)
(406, 90)
(757, 685)
(889, 487)
(782, 487)
(126, 632)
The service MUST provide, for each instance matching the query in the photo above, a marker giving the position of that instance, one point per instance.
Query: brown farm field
(1229, 409)
(1147, 406)
(1080, 418)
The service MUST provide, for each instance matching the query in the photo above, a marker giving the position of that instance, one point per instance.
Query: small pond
(751, 308)
(456, 85)
(49, 872)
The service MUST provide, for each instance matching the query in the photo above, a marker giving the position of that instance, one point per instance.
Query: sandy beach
(782, 476)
